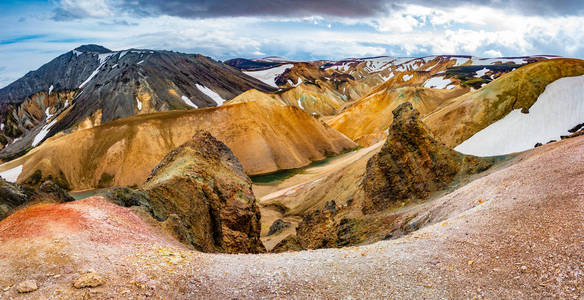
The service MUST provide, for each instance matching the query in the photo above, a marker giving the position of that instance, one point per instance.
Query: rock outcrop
(412, 164)
(13, 195)
(201, 185)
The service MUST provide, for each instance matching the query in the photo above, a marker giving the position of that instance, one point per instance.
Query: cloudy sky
(33, 31)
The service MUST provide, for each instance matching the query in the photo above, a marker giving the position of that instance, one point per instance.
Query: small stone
(88, 280)
(27, 286)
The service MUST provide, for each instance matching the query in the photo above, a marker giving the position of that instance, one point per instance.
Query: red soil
(93, 218)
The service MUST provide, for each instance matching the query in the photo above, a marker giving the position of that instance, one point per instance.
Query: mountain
(517, 92)
(265, 137)
(250, 64)
(431, 84)
(92, 85)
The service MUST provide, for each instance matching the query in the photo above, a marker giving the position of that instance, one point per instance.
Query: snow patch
(481, 72)
(407, 77)
(11, 174)
(187, 101)
(104, 57)
(492, 61)
(77, 53)
(295, 84)
(439, 82)
(43, 133)
(559, 108)
(269, 76)
(377, 64)
(48, 114)
(211, 94)
(300, 104)
(50, 89)
(122, 54)
(140, 62)
(139, 103)
(390, 76)
(460, 60)
(114, 66)
(102, 60)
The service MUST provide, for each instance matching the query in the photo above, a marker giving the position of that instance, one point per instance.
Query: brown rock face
(201, 189)
(412, 164)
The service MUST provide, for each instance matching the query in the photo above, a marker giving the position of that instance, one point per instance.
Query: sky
(34, 31)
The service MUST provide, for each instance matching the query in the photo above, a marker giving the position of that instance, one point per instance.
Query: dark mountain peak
(93, 48)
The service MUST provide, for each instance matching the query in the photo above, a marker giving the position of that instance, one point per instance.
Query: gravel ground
(517, 233)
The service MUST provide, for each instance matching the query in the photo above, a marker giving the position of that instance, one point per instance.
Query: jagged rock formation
(94, 85)
(412, 164)
(203, 184)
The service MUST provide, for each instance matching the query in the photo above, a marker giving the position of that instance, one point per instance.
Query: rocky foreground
(514, 233)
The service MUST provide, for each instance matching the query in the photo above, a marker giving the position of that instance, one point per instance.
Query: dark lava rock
(278, 226)
(49, 191)
(12, 195)
(128, 197)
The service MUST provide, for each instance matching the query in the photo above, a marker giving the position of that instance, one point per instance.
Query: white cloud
(411, 30)
(492, 53)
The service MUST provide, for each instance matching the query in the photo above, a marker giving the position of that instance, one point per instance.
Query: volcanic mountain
(92, 85)
(265, 137)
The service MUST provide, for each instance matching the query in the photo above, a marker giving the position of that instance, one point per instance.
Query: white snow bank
(50, 89)
(47, 113)
(439, 82)
(188, 101)
(377, 64)
(559, 108)
(11, 174)
(492, 61)
(407, 77)
(43, 133)
(300, 104)
(460, 60)
(480, 73)
(211, 94)
(139, 103)
(295, 84)
(390, 76)
(102, 60)
(268, 76)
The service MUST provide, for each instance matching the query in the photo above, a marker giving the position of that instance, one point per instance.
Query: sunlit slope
(264, 137)
(373, 113)
(462, 117)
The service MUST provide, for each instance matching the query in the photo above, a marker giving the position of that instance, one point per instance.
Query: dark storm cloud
(306, 8)
(339, 8)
